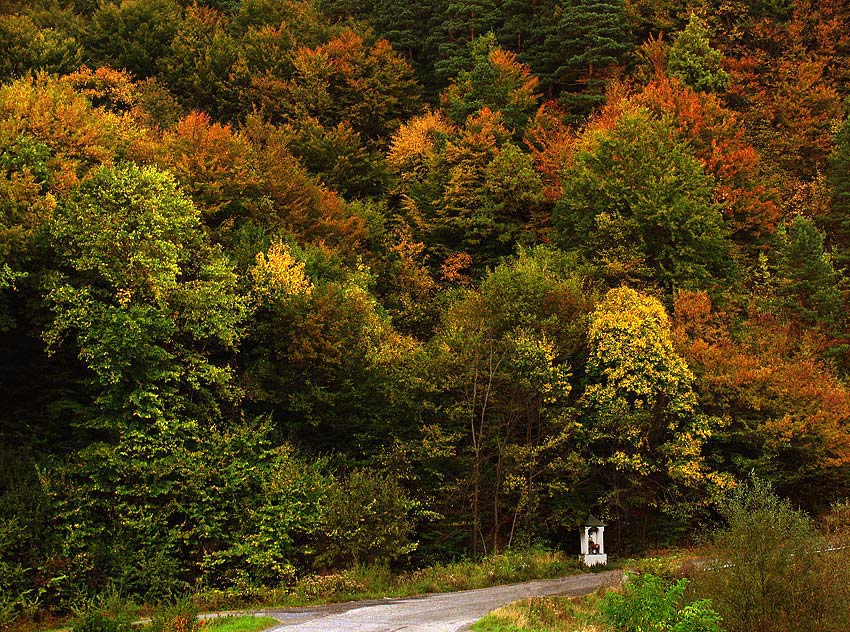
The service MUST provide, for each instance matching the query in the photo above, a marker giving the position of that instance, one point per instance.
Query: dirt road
(446, 612)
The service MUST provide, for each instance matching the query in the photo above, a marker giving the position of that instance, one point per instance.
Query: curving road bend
(444, 612)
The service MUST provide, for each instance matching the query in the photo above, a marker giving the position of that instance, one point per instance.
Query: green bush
(771, 570)
(229, 510)
(95, 621)
(180, 617)
(27, 538)
(651, 604)
(366, 520)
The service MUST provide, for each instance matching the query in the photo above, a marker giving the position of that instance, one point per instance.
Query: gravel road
(446, 612)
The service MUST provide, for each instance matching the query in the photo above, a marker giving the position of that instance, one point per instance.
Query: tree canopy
(290, 286)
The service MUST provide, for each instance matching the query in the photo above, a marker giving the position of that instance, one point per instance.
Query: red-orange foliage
(481, 136)
(717, 137)
(790, 106)
(552, 145)
(253, 176)
(373, 88)
(80, 136)
(514, 79)
(213, 164)
(453, 268)
(768, 380)
(294, 202)
(787, 81)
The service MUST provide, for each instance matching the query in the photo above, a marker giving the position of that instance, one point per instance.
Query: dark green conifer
(587, 39)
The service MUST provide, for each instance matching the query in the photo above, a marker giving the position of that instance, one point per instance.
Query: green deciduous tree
(151, 308)
(134, 35)
(340, 158)
(322, 356)
(640, 205)
(159, 514)
(203, 66)
(651, 604)
(693, 61)
(26, 48)
(504, 354)
(365, 520)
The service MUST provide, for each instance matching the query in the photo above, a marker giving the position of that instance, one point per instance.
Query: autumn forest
(293, 285)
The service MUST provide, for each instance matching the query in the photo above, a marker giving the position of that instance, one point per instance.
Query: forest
(289, 286)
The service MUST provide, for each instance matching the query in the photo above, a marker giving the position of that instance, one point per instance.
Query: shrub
(229, 510)
(27, 539)
(771, 570)
(180, 617)
(651, 604)
(365, 521)
(95, 621)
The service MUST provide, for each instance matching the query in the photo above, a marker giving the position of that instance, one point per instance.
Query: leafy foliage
(25, 47)
(365, 521)
(648, 605)
(770, 572)
(638, 204)
(137, 277)
(133, 35)
(639, 409)
(432, 245)
(372, 88)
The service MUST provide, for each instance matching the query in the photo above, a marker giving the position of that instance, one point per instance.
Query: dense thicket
(290, 285)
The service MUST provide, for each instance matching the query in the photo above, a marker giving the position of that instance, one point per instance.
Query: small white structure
(592, 542)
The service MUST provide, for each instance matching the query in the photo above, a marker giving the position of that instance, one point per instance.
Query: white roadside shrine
(592, 542)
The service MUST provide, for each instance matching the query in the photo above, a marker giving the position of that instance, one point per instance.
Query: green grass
(244, 623)
(577, 614)
(373, 582)
(544, 614)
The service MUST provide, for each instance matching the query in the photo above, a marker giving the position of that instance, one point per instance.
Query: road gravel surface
(444, 612)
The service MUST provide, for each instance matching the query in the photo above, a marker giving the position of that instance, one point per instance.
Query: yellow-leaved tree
(644, 432)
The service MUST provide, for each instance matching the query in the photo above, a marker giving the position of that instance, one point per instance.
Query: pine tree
(811, 284)
(497, 81)
(589, 37)
(524, 31)
(837, 222)
(460, 23)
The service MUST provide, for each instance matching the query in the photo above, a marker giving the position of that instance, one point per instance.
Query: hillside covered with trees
(292, 285)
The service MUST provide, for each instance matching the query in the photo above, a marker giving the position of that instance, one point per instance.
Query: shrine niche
(592, 542)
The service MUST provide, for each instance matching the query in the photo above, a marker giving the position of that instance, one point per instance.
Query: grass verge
(580, 614)
(244, 623)
(363, 582)
(545, 614)
(374, 582)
